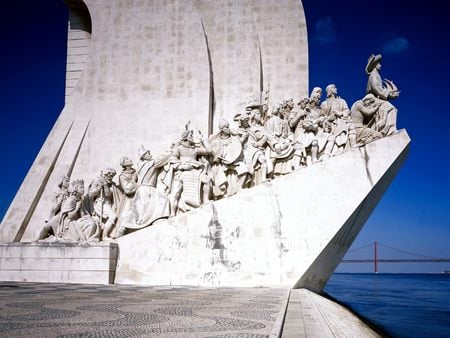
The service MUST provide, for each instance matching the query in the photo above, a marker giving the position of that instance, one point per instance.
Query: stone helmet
(126, 162)
(224, 126)
(110, 172)
(142, 151)
(187, 134)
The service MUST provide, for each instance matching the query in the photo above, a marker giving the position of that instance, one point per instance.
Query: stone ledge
(58, 262)
(311, 315)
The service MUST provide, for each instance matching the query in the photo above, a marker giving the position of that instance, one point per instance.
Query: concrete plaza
(69, 310)
(80, 310)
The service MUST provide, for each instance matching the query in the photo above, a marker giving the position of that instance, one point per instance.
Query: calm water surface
(404, 305)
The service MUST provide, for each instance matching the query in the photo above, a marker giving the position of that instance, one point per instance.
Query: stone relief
(73, 222)
(263, 144)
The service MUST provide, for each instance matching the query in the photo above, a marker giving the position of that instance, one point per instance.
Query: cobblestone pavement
(73, 310)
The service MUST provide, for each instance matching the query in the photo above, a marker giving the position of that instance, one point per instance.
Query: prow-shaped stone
(291, 231)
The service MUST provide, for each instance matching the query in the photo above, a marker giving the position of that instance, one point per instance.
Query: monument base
(291, 231)
(93, 263)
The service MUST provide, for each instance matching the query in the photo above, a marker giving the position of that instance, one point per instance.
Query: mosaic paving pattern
(73, 310)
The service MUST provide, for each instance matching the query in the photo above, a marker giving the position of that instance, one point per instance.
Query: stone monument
(244, 179)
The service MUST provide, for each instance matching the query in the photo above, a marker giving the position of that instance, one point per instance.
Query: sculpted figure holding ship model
(385, 91)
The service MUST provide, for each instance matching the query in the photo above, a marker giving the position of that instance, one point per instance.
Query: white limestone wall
(78, 41)
(282, 31)
(234, 52)
(255, 44)
(291, 231)
(58, 262)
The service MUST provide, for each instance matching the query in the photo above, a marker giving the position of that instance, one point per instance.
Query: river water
(403, 305)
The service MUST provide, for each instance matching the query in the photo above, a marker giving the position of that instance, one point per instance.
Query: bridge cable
(363, 247)
(404, 251)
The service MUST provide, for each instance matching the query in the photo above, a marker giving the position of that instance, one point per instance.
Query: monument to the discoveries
(194, 117)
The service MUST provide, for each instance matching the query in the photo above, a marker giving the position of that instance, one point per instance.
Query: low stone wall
(58, 262)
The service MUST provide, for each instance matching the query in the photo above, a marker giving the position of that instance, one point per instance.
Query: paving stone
(74, 310)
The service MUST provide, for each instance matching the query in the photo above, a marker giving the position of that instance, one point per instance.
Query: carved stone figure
(60, 196)
(149, 168)
(191, 182)
(363, 115)
(104, 197)
(281, 149)
(384, 90)
(230, 173)
(128, 180)
(296, 117)
(315, 140)
(299, 156)
(143, 204)
(76, 224)
(337, 112)
(73, 223)
(295, 120)
(253, 144)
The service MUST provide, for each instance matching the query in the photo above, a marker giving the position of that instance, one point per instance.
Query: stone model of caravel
(189, 152)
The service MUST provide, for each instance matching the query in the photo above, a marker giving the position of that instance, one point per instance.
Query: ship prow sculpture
(292, 230)
(272, 191)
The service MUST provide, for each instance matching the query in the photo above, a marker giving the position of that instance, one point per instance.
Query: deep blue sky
(413, 37)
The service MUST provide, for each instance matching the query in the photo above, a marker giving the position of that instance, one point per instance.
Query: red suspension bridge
(399, 256)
